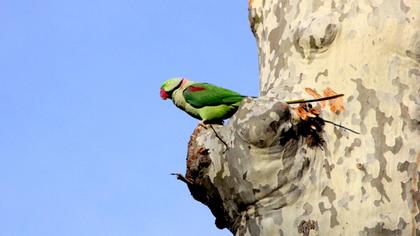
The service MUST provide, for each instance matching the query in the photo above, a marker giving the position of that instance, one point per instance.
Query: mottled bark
(272, 179)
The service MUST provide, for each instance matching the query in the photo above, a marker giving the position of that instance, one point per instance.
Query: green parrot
(203, 101)
(207, 102)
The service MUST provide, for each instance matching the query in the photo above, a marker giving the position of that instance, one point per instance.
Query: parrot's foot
(206, 123)
(202, 124)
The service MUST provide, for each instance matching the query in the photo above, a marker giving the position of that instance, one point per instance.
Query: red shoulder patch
(193, 88)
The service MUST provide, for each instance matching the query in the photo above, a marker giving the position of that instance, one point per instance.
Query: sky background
(86, 144)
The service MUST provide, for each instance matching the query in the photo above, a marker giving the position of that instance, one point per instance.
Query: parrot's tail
(315, 100)
(306, 101)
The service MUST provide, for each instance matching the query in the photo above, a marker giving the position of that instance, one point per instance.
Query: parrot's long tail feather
(315, 100)
(348, 129)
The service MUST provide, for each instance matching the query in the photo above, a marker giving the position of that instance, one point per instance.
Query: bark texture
(272, 179)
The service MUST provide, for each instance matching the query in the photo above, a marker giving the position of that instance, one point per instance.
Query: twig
(348, 129)
(182, 178)
(217, 135)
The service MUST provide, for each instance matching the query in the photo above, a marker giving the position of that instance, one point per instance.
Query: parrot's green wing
(200, 95)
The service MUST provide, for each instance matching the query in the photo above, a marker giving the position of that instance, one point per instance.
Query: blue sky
(86, 144)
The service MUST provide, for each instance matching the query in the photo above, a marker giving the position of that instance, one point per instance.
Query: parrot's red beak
(163, 94)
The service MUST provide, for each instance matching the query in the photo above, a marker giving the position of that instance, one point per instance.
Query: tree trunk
(283, 171)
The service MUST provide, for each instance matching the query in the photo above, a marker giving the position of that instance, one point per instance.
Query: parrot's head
(169, 86)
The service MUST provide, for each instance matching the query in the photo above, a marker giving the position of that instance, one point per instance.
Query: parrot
(209, 103)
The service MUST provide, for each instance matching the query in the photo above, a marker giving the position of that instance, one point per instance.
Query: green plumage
(207, 102)
(210, 96)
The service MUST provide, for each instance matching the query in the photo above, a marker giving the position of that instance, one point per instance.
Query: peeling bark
(272, 180)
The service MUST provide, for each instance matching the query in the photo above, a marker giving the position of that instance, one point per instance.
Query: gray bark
(285, 175)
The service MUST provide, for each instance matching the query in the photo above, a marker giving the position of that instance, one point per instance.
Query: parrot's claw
(205, 124)
(202, 124)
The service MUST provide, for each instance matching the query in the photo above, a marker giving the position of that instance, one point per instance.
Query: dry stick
(217, 135)
(348, 129)
(182, 178)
